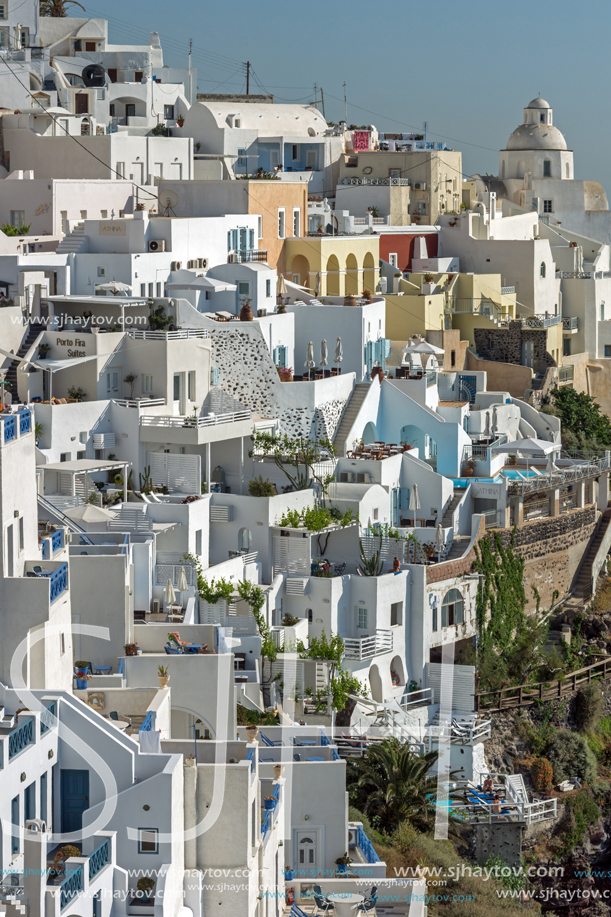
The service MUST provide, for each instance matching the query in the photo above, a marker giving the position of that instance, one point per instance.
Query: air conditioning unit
(191, 265)
(157, 245)
(419, 186)
(220, 513)
(232, 258)
(202, 262)
(176, 265)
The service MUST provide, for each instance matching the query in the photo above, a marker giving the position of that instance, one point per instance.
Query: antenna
(247, 77)
(322, 99)
(345, 106)
(167, 201)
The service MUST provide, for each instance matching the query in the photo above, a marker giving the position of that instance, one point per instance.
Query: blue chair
(322, 903)
(172, 650)
(370, 902)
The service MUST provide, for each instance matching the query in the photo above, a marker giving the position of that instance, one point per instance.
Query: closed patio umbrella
(324, 353)
(281, 286)
(169, 595)
(339, 351)
(310, 362)
(414, 501)
(317, 284)
(439, 542)
(182, 580)
(113, 286)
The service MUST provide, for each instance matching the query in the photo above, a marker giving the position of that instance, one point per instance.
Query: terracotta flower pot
(286, 377)
(349, 301)
(377, 371)
(367, 296)
(246, 314)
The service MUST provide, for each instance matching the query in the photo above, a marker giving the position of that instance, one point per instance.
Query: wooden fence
(525, 695)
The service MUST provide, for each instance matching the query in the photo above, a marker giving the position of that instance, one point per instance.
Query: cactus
(374, 565)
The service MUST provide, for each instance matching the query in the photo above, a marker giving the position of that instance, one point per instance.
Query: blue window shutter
(251, 238)
(242, 238)
(215, 375)
(229, 237)
(369, 355)
(387, 343)
(284, 355)
(276, 356)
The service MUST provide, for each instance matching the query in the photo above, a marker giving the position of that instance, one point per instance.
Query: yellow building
(335, 265)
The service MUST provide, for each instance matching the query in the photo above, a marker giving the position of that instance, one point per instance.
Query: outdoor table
(102, 669)
(346, 903)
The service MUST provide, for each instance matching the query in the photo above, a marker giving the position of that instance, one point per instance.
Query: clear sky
(467, 67)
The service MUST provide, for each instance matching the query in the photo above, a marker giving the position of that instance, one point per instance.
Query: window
(198, 542)
(607, 351)
(602, 311)
(542, 117)
(542, 269)
(29, 800)
(310, 614)
(83, 214)
(297, 222)
(434, 622)
(168, 112)
(21, 535)
(3, 10)
(147, 384)
(566, 348)
(151, 290)
(90, 46)
(4, 37)
(259, 227)
(245, 540)
(396, 614)
(121, 214)
(453, 358)
(177, 386)
(15, 825)
(112, 74)
(65, 456)
(101, 271)
(548, 207)
(138, 76)
(243, 288)
(393, 259)
(241, 156)
(375, 513)
(158, 169)
(268, 288)
(142, 289)
(191, 385)
(452, 609)
(81, 455)
(281, 228)
(111, 110)
(547, 168)
(120, 170)
(363, 616)
(237, 123)
(148, 841)
(394, 173)
(295, 152)
(311, 159)
(64, 218)
(17, 217)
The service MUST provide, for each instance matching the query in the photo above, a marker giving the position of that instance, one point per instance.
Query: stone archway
(300, 266)
(333, 277)
(352, 276)
(397, 672)
(369, 273)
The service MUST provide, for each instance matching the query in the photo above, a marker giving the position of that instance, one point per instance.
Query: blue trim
(266, 825)
(250, 756)
(48, 717)
(71, 886)
(10, 429)
(99, 858)
(20, 738)
(25, 421)
(45, 549)
(57, 540)
(366, 846)
(59, 581)
(147, 723)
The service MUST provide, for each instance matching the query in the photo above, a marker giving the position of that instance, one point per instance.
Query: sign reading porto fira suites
(72, 347)
(108, 228)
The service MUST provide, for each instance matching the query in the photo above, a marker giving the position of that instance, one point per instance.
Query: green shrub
(571, 756)
(542, 774)
(9, 230)
(261, 487)
(600, 741)
(582, 812)
(588, 707)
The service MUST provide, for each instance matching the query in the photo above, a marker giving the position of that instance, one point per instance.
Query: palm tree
(399, 787)
(57, 8)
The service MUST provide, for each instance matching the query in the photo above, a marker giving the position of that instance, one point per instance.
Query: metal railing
(574, 275)
(566, 373)
(48, 717)
(365, 647)
(506, 291)
(397, 182)
(148, 723)
(244, 256)
(468, 734)
(138, 335)
(570, 323)
(209, 420)
(59, 581)
(561, 476)
(541, 321)
(99, 858)
(20, 738)
(420, 698)
(366, 846)
(71, 886)
(494, 519)
(139, 403)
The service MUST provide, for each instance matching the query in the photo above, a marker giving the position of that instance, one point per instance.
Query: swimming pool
(519, 475)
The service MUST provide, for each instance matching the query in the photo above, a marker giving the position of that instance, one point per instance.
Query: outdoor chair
(322, 903)
(370, 901)
(120, 718)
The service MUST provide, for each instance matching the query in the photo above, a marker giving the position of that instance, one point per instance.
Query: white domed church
(536, 172)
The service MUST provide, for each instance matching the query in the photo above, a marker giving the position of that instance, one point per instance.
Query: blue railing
(325, 740)
(45, 549)
(148, 722)
(57, 540)
(366, 846)
(25, 421)
(267, 822)
(121, 669)
(10, 429)
(59, 581)
(276, 792)
(221, 644)
(71, 886)
(250, 756)
(48, 717)
(297, 912)
(99, 858)
(20, 738)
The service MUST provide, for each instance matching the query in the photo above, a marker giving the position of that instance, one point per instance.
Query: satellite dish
(94, 75)
(167, 201)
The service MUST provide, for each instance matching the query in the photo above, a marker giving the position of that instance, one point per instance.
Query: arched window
(452, 609)
(567, 171)
(503, 169)
(542, 269)
(245, 540)
(547, 168)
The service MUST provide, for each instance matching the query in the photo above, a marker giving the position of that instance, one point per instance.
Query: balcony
(14, 426)
(561, 477)
(508, 291)
(179, 335)
(252, 255)
(58, 576)
(195, 430)
(566, 374)
(570, 324)
(574, 275)
(541, 321)
(398, 182)
(52, 544)
(361, 648)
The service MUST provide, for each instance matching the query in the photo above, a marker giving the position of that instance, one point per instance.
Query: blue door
(15, 825)
(74, 795)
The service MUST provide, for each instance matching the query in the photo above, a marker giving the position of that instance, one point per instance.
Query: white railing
(365, 647)
(246, 557)
(542, 321)
(466, 733)
(560, 477)
(538, 510)
(418, 698)
(166, 335)
(505, 291)
(139, 402)
(574, 275)
(209, 420)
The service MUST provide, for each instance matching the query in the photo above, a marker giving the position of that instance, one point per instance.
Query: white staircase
(13, 907)
(351, 409)
(74, 242)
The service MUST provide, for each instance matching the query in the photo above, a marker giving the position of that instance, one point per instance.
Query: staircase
(11, 373)
(448, 516)
(11, 906)
(583, 582)
(459, 546)
(73, 243)
(351, 409)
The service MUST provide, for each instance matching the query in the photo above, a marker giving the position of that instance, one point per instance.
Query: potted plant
(180, 120)
(163, 674)
(429, 550)
(513, 459)
(252, 733)
(246, 312)
(39, 429)
(43, 350)
(289, 874)
(130, 379)
(131, 649)
(269, 802)
(319, 228)
(366, 295)
(145, 886)
(343, 863)
(278, 770)
(285, 373)
(70, 851)
(82, 677)
(377, 371)
(415, 218)
(350, 300)
(469, 468)
(281, 308)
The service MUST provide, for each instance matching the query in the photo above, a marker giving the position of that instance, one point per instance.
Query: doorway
(307, 852)
(81, 103)
(74, 799)
(130, 112)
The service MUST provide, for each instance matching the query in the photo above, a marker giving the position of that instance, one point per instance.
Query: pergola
(83, 467)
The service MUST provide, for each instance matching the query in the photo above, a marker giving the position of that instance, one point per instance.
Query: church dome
(538, 103)
(536, 137)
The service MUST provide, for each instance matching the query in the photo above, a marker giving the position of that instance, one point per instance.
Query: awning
(54, 366)
(203, 283)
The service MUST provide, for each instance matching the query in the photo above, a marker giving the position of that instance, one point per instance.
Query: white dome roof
(536, 137)
(538, 103)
